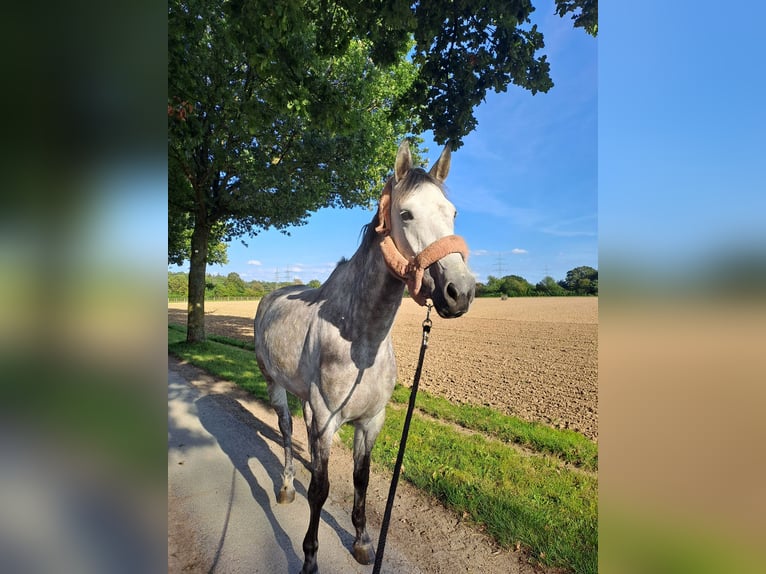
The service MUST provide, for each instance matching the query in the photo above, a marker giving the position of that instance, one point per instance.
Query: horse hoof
(364, 553)
(286, 496)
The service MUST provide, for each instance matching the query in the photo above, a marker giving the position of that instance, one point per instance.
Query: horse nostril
(452, 292)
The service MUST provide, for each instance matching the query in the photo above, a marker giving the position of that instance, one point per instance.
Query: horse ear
(441, 168)
(403, 161)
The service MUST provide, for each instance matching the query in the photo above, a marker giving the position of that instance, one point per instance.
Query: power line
(499, 265)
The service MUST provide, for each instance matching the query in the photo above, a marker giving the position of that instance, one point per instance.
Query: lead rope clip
(427, 325)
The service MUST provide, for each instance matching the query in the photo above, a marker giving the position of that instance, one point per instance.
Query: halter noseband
(411, 270)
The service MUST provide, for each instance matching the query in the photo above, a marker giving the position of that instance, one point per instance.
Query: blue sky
(524, 183)
(682, 134)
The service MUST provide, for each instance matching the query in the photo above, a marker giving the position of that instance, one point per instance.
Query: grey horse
(331, 346)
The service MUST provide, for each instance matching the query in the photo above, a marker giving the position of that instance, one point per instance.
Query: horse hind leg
(278, 397)
(364, 440)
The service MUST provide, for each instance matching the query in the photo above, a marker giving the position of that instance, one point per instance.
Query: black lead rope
(400, 456)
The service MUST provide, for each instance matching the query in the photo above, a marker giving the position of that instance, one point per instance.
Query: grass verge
(515, 496)
(567, 445)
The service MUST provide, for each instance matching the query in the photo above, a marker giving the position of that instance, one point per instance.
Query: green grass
(528, 497)
(515, 496)
(176, 334)
(568, 445)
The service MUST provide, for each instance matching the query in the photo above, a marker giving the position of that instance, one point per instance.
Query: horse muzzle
(440, 268)
(451, 289)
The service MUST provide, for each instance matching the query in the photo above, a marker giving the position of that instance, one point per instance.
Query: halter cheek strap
(411, 270)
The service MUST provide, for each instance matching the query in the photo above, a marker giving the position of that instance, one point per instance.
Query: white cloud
(517, 251)
(479, 252)
(254, 262)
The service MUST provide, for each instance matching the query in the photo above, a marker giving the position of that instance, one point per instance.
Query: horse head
(421, 221)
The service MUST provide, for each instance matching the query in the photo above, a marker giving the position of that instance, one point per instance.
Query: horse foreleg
(317, 495)
(278, 397)
(364, 439)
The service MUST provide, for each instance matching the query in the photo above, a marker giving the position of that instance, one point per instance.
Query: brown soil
(535, 358)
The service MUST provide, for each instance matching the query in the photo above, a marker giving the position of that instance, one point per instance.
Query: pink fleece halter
(411, 271)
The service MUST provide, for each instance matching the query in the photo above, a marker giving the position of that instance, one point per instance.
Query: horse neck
(365, 294)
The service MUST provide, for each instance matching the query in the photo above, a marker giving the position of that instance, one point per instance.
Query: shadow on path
(243, 436)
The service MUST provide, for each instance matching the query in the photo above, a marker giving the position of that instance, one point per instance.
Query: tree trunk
(195, 326)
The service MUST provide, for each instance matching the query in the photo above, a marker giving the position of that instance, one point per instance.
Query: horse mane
(367, 234)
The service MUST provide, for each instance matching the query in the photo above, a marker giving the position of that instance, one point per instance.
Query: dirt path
(223, 469)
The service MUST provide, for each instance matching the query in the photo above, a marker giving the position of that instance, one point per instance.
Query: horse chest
(356, 374)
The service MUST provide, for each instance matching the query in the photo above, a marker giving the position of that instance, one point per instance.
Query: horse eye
(406, 215)
(455, 216)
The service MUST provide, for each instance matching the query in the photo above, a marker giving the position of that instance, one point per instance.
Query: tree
(548, 286)
(494, 285)
(276, 109)
(581, 281)
(510, 285)
(234, 285)
(584, 13)
(462, 49)
(178, 284)
(179, 241)
(265, 128)
(515, 286)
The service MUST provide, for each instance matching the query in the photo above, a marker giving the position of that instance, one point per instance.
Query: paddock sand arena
(536, 358)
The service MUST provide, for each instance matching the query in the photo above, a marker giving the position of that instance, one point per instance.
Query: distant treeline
(579, 281)
(231, 285)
